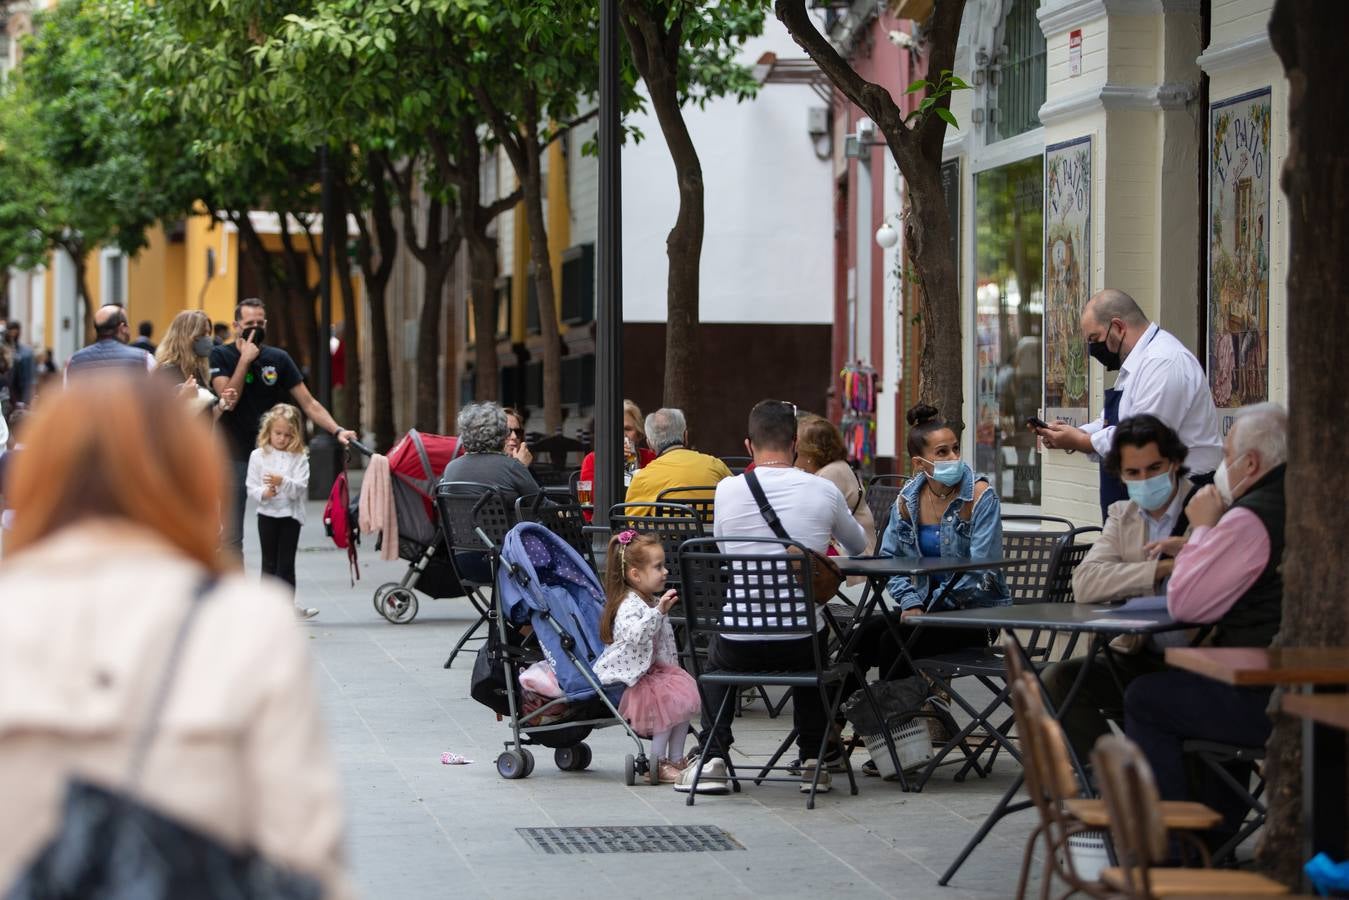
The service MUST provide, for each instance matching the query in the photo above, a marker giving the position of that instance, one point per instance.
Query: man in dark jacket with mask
(261, 377)
(1158, 375)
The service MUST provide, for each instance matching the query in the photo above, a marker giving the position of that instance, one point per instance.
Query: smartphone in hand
(1036, 422)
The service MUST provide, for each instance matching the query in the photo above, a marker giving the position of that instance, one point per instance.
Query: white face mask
(1225, 490)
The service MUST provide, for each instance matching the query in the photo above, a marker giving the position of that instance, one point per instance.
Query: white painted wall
(768, 246)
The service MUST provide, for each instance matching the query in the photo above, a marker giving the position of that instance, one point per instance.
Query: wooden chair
(1140, 836)
(1052, 784)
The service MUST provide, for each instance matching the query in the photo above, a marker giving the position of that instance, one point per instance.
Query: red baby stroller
(415, 464)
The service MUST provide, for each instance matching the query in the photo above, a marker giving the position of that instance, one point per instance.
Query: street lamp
(886, 235)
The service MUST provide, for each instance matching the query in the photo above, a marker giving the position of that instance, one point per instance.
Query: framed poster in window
(1238, 250)
(1067, 279)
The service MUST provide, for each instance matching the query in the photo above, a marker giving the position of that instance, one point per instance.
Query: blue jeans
(1164, 709)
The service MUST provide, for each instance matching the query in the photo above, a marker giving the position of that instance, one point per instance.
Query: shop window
(1018, 74)
(1009, 312)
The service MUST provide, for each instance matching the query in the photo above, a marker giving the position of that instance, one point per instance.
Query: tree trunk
(482, 258)
(301, 301)
(436, 264)
(351, 344)
(77, 255)
(927, 238)
(655, 52)
(376, 277)
(917, 150)
(1305, 34)
(544, 289)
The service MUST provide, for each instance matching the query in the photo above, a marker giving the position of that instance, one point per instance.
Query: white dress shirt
(1161, 377)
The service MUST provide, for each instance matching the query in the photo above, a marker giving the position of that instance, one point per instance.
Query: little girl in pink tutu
(661, 698)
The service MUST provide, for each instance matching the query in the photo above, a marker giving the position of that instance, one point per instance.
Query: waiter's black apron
(1112, 488)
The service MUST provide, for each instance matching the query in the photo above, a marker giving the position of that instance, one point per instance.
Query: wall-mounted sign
(1238, 250)
(1067, 278)
(1075, 52)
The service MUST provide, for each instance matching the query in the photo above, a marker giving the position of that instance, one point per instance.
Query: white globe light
(886, 235)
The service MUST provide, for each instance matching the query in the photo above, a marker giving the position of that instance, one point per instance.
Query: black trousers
(808, 709)
(1099, 699)
(876, 647)
(280, 538)
(234, 516)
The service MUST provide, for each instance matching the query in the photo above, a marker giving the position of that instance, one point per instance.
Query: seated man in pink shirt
(1227, 576)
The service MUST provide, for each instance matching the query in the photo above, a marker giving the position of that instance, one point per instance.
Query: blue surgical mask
(1152, 493)
(949, 471)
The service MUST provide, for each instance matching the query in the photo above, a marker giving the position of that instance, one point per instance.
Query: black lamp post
(608, 485)
(324, 452)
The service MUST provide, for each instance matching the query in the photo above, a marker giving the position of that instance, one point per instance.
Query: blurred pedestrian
(109, 524)
(23, 369)
(143, 332)
(111, 350)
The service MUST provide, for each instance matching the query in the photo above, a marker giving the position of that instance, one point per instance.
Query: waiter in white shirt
(1158, 375)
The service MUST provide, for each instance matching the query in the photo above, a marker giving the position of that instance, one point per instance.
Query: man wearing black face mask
(261, 377)
(1158, 375)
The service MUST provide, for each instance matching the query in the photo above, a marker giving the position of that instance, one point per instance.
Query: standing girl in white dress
(661, 698)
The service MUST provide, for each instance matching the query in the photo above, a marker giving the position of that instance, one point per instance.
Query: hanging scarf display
(859, 413)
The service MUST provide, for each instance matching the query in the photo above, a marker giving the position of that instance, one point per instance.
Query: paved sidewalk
(419, 829)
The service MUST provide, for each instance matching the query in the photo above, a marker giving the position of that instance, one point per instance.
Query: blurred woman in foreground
(108, 549)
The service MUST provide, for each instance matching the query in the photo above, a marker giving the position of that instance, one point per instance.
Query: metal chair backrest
(454, 504)
(1035, 550)
(698, 498)
(881, 493)
(1067, 556)
(764, 593)
(1134, 808)
(737, 464)
(670, 523)
(564, 519)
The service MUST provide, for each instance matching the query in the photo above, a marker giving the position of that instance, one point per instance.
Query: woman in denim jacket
(944, 510)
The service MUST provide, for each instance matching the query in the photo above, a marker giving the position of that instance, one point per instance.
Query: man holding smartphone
(261, 377)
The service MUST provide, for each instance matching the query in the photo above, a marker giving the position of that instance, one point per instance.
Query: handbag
(825, 576)
(111, 846)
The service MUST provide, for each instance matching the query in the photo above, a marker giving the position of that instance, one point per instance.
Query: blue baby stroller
(542, 582)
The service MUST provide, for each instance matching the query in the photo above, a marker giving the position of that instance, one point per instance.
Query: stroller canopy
(540, 574)
(417, 461)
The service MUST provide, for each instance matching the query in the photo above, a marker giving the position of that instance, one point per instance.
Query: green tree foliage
(80, 163)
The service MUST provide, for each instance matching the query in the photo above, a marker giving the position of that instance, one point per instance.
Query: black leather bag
(113, 847)
(825, 577)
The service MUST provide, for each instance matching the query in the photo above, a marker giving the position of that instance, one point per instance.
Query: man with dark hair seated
(1133, 557)
(812, 511)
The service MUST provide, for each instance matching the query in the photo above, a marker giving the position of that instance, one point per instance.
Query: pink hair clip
(625, 537)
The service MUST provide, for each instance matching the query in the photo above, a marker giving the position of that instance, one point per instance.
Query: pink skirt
(664, 697)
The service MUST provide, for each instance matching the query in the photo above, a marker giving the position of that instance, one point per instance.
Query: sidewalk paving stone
(417, 828)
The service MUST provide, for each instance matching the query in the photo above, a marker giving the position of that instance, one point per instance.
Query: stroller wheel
(512, 764)
(529, 762)
(629, 770)
(572, 759)
(399, 605)
(378, 598)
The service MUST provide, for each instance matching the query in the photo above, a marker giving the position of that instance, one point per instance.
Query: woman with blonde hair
(636, 454)
(108, 499)
(185, 353)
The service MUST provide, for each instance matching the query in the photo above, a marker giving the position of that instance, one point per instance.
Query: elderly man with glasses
(675, 465)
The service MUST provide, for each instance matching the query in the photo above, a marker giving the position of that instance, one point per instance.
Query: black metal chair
(564, 519)
(770, 594)
(1038, 553)
(1215, 757)
(698, 499)
(881, 493)
(475, 519)
(670, 523)
(737, 464)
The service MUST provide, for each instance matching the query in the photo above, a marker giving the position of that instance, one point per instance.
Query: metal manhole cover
(630, 839)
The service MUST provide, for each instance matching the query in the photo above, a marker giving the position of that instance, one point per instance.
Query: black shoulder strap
(765, 508)
(1182, 520)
